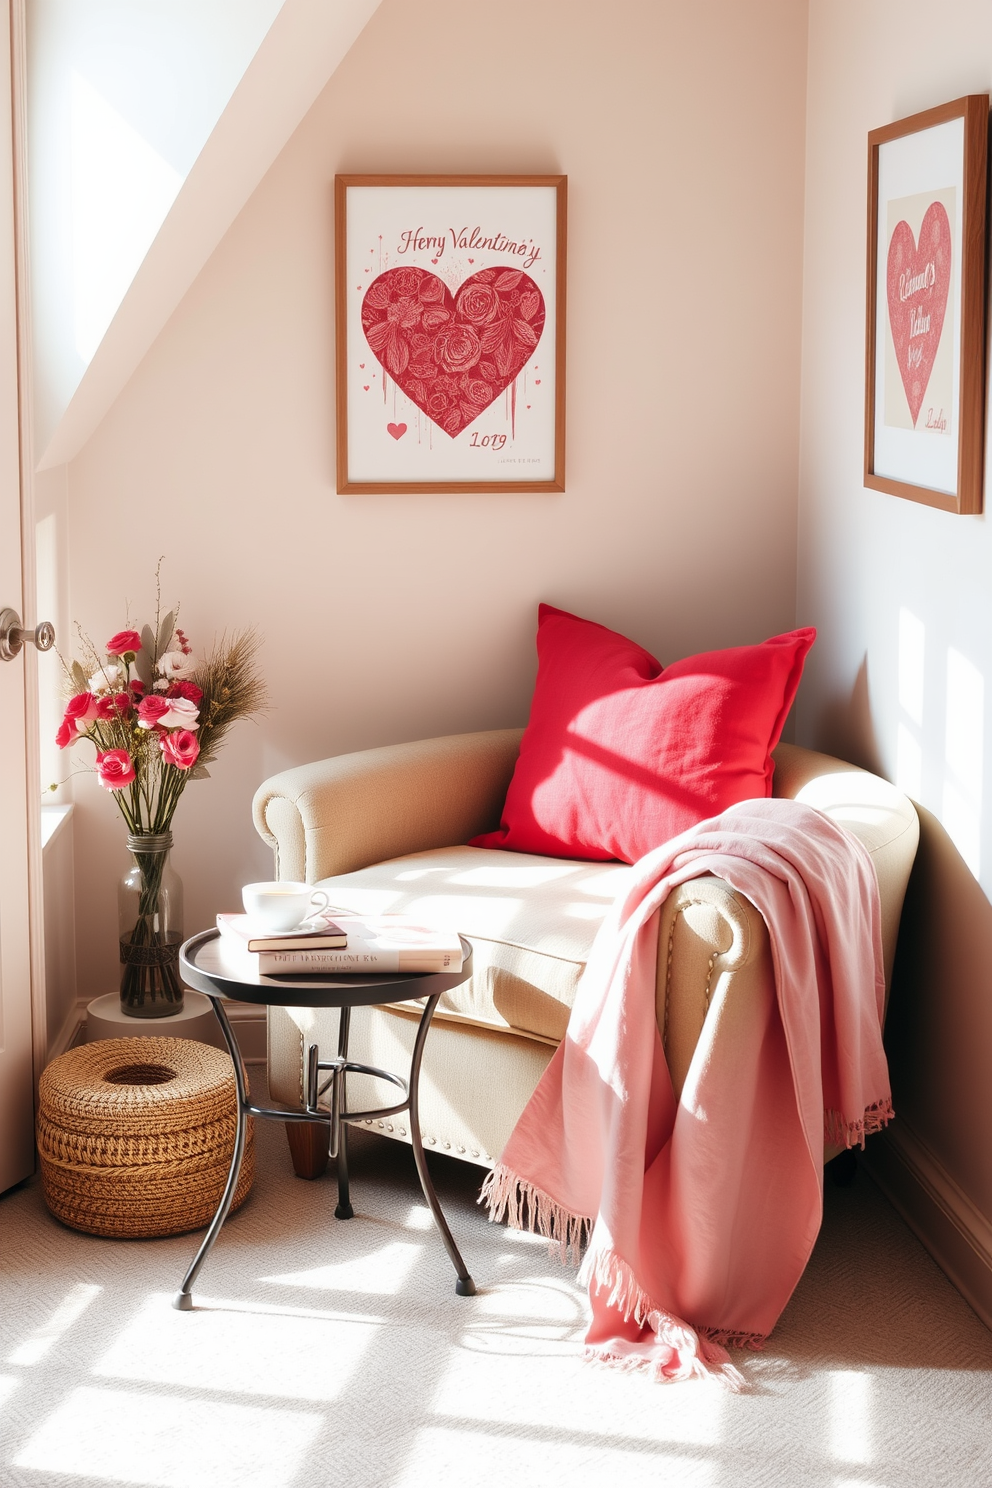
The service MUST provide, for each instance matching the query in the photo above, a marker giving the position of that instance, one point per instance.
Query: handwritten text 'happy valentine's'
(416, 240)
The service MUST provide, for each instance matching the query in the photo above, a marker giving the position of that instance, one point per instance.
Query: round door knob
(13, 635)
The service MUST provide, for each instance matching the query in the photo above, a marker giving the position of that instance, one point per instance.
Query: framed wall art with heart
(925, 378)
(450, 307)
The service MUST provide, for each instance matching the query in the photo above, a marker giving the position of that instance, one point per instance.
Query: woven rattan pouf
(135, 1136)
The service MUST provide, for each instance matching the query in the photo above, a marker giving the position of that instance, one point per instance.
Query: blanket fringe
(680, 1351)
(524, 1206)
(843, 1133)
(699, 1361)
(609, 1272)
(726, 1338)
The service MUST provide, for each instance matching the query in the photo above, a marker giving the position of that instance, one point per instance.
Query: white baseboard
(72, 1032)
(248, 1023)
(937, 1210)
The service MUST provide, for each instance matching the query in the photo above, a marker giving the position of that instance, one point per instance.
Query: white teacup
(281, 906)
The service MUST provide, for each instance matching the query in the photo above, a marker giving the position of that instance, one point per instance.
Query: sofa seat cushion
(531, 921)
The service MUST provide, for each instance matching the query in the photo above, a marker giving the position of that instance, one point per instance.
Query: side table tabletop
(205, 968)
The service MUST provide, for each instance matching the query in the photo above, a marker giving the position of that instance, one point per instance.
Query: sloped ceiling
(305, 44)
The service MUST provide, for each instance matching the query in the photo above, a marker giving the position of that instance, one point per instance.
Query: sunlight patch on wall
(909, 749)
(127, 1436)
(961, 812)
(912, 638)
(909, 763)
(122, 190)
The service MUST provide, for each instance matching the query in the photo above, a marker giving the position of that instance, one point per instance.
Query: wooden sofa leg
(308, 1147)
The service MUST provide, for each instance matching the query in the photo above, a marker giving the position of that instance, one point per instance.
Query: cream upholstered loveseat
(382, 830)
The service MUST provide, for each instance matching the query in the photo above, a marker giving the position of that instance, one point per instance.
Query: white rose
(176, 664)
(107, 679)
(182, 714)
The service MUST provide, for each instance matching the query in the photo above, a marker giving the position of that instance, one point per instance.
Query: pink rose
(82, 709)
(114, 705)
(124, 640)
(478, 303)
(65, 734)
(151, 710)
(114, 769)
(457, 348)
(180, 749)
(182, 714)
(136, 687)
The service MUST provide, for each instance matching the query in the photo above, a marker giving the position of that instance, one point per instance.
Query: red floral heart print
(452, 354)
(918, 278)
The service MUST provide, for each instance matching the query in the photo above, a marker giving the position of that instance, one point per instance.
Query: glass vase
(150, 922)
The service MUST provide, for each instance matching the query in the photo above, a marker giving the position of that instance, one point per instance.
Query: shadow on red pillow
(620, 754)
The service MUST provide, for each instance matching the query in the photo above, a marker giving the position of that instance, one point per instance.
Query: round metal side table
(205, 967)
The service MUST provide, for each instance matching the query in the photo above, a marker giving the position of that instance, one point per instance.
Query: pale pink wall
(680, 128)
(866, 558)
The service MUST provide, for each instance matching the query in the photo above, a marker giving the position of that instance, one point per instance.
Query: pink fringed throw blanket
(701, 1214)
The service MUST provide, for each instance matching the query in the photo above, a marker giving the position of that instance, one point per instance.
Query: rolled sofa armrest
(342, 814)
(873, 809)
(710, 940)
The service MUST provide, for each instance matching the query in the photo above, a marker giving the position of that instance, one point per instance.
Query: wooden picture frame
(450, 310)
(926, 310)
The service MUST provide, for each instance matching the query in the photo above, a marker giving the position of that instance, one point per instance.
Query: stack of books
(342, 944)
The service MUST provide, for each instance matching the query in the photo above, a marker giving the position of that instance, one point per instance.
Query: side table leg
(183, 1300)
(339, 1129)
(464, 1286)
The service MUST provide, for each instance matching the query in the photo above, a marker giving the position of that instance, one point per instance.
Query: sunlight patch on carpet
(72, 1306)
(441, 1453)
(250, 1352)
(124, 1436)
(850, 1414)
(382, 1272)
(500, 1388)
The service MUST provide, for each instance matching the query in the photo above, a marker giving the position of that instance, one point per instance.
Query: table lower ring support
(335, 1119)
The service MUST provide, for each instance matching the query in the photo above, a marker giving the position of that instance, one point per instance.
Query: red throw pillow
(620, 755)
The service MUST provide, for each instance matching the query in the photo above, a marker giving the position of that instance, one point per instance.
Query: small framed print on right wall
(925, 358)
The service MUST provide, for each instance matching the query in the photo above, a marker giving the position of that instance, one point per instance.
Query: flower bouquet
(157, 716)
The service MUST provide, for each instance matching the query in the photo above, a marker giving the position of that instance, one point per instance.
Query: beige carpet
(331, 1353)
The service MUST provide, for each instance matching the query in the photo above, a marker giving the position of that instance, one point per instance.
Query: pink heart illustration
(365, 386)
(917, 280)
(397, 430)
(453, 354)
